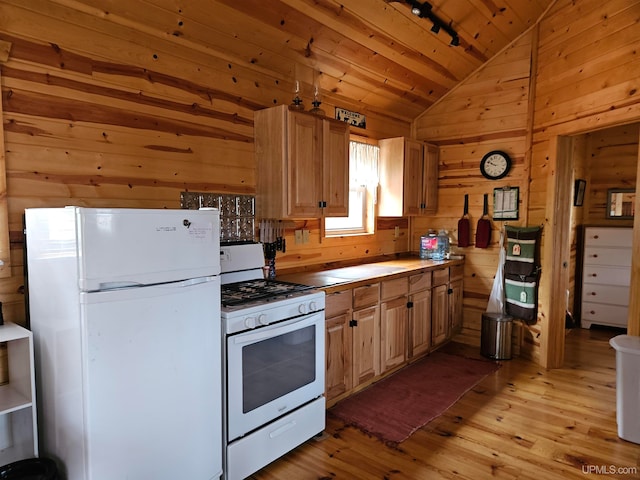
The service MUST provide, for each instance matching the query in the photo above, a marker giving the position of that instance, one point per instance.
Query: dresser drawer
(440, 277)
(337, 303)
(604, 314)
(394, 288)
(608, 237)
(620, 257)
(366, 296)
(607, 294)
(420, 281)
(607, 275)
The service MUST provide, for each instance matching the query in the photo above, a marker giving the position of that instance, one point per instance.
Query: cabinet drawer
(337, 303)
(420, 281)
(608, 294)
(440, 277)
(456, 272)
(366, 296)
(620, 257)
(604, 314)
(394, 288)
(607, 275)
(609, 237)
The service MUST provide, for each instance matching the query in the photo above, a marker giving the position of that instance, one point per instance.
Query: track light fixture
(424, 10)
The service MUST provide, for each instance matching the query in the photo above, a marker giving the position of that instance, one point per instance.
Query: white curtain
(363, 165)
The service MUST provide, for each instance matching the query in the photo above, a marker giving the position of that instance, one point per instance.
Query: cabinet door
(338, 355)
(455, 306)
(430, 179)
(420, 323)
(412, 197)
(304, 166)
(439, 314)
(335, 178)
(366, 344)
(393, 333)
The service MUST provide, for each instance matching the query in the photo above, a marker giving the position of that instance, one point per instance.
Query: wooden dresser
(606, 274)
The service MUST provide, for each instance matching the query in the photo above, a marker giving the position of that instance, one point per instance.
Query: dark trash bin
(30, 469)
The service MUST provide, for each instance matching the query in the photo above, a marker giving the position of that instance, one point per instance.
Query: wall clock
(495, 165)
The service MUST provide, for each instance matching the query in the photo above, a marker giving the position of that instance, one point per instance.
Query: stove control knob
(302, 308)
(313, 306)
(262, 319)
(250, 322)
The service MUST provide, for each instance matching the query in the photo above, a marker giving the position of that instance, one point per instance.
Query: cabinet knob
(595, 255)
(593, 294)
(594, 274)
(592, 312)
(596, 236)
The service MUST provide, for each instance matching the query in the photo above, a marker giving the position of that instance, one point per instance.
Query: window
(363, 183)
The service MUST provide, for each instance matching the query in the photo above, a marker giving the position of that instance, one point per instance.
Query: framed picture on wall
(578, 192)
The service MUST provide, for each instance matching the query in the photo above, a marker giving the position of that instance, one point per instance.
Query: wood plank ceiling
(373, 56)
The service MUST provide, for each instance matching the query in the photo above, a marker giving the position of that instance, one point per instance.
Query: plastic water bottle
(442, 247)
(428, 245)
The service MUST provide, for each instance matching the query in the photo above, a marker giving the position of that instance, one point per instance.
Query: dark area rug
(395, 407)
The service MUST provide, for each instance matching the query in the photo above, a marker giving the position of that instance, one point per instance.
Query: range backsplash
(237, 213)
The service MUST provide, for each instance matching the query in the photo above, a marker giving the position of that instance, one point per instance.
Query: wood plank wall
(101, 113)
(586, 80)
(489, 111)
(584, 55)
(98, 112)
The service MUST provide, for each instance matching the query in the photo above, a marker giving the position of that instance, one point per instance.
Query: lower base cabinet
(374, 329)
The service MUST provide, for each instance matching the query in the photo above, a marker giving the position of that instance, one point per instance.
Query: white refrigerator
(124, 305)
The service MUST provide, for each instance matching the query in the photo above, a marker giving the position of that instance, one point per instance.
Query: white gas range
(274, 362)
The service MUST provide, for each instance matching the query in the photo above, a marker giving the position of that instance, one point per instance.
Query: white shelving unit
(18, 424)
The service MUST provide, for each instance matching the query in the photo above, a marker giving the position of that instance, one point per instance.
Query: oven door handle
(275, 330)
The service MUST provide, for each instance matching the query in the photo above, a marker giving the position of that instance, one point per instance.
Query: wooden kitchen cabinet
(366, 333)
(440, 307)
(302, 164)
(446, 304)
(408, 177)
(375, 328)
(419, 315)
(338, 344)
(456, 275)
(366, 345)
(394, 319)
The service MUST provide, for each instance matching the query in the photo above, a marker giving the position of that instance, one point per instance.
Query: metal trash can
(627, 386)
(495, 338)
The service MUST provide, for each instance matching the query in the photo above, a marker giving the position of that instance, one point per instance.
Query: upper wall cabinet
(408, 177)
(302, 164)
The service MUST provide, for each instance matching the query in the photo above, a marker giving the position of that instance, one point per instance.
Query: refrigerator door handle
(182, 283)
(116, 285)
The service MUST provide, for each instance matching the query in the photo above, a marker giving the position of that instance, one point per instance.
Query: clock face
(495, 165)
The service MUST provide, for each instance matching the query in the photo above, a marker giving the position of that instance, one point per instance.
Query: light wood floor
(521, 422)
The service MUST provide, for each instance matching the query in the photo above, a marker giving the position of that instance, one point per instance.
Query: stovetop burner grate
(239, 293)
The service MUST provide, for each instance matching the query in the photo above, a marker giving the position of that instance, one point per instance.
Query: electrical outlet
(305, 236)
(396, 233)
(298, 236)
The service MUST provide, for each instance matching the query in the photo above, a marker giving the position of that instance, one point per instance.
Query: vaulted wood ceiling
(371, 55)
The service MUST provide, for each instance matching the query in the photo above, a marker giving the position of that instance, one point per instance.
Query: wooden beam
(557, 252)
(5, 254)
(633, 319)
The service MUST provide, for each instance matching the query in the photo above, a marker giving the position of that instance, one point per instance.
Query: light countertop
(348, 277)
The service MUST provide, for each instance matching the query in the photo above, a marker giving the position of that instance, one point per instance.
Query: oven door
(272, 371)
